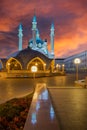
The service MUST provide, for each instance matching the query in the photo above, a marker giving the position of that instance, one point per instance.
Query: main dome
(26, 55)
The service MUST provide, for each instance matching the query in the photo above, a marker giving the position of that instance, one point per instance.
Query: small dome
(39, 41)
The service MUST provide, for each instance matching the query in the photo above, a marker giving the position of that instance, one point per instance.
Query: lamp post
(44, 66)
(8, 67)
(36, 64)
(57, 67)
(77, 61)
(34, 70)
(63, 67)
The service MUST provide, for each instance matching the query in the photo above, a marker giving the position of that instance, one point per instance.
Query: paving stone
(70, 107)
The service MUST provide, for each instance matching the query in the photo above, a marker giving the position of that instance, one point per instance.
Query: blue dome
(39, 41)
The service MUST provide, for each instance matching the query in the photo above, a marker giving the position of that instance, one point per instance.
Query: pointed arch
(14, 64)
(37, 62)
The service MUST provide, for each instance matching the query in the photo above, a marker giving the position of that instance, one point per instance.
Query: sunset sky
(69, 17)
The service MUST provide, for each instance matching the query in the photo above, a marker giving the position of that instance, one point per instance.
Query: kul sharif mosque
(36, 43)
(36, 53)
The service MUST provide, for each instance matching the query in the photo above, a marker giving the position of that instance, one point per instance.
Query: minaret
(20, 35)
(52, 39)
(34, 29)
(37, 34)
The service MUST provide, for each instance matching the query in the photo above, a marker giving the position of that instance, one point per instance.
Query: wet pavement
(14, 88)
(18, 87)
(58, 109)
(70, 105)
(41, 115)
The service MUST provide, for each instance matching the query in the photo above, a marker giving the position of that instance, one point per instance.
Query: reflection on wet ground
(13, 88)
(41, 114)
(17, 87)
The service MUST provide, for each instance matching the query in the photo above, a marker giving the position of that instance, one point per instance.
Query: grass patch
(13, 113)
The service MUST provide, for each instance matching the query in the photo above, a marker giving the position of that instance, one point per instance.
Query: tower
(37, 34)
(20, 35)
(34, 29)
(52, 39)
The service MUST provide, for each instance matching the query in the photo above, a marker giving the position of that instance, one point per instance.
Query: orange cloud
(70, 18)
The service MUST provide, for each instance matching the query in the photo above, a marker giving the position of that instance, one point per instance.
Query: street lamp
(36, 64)
(44, 66)
(8, 67)
(34, 70)
(57, 67)
(63, 67)
(77, 61)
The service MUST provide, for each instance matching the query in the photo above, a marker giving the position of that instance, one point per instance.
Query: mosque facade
(36, 43)
(36, 53)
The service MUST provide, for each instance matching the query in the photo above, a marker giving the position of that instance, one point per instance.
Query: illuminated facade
(36, 54)
(70, 65)
(36, 43)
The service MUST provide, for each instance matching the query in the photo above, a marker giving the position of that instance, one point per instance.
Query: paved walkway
(41, 115)
(70, 105)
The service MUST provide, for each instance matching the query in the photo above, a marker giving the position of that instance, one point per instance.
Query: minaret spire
(20, 35)
(34, 29)
(52, 38)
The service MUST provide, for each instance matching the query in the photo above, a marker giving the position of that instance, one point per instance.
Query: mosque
(36, 54)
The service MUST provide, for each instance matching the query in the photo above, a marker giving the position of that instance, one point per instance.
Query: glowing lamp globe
(77, 61)
(34, 69)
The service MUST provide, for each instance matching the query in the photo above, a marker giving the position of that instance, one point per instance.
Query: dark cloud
(69, 16)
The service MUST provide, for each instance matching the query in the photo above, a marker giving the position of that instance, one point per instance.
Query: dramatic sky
(69, 17)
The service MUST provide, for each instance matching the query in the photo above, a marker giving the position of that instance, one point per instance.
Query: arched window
(36, 62)
(13, 64)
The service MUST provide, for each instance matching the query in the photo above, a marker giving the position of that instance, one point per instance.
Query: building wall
(59, 63)
(70, 65)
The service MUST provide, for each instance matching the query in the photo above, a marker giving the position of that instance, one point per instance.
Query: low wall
(28, 74)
